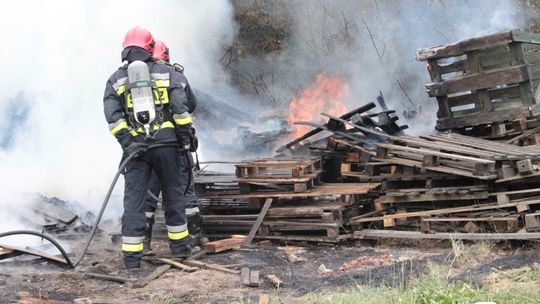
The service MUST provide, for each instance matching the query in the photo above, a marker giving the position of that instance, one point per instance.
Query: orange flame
(324, 96)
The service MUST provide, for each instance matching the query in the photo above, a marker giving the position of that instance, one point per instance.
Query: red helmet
(160, 51)
(140, 37)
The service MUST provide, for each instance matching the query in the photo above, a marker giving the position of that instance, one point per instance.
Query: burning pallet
(438, 183)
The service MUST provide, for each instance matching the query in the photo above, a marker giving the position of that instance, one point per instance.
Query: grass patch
(433, 288)
(162, 298)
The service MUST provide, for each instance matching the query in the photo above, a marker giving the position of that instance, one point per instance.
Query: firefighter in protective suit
(154, 126)
(161, 55)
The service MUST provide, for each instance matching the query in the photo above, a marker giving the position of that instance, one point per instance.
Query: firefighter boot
(147, 251)
(196, 235)
(182, 252)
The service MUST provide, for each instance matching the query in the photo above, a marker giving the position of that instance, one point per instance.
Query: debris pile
(433, 186)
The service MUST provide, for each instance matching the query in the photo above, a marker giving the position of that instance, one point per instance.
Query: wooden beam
(429, 197)
(441, 211)
(277, 282)
(178, 265)
(202, 265)
(37, 253)
(106, 277)
(482, 118)
(258, 222)
(376, 234)
(461, 47)
(222, 245)
(478, 81)
(52, 211)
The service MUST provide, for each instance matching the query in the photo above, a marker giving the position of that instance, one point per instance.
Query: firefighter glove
(135, 148)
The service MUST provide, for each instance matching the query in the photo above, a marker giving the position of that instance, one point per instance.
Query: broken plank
(222, 245)
(52, 211)
(37, 253)
(154, 275)
(178, 265)
(375, 234)
(258, 222)
(471, 219)
(348, 115)
(202, 265)
(440, 211)
(429, 197)
(277, 282)
(244, 276)
(254, 278)
(106, 277)
(459, 48)
(6, 253)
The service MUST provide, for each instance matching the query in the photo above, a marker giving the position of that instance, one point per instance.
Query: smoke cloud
(56, 58)
(372, 44)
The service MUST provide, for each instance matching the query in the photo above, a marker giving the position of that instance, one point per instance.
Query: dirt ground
(304, 268)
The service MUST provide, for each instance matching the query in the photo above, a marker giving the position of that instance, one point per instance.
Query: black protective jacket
(169, 91)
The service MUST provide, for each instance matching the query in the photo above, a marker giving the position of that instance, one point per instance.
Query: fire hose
(100, 214)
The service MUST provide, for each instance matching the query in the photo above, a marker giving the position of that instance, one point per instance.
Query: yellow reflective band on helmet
(178, 235)
(121, 89)
(120, 126)
(132, 247)
(183, 121)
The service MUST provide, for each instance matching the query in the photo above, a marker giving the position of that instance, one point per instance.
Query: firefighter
(141, 119)
(161, 55)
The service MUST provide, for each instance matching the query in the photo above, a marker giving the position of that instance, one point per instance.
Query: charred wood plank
(375, 234)
(348, 115)
(460, 48)
(258, 222)
(478, 81)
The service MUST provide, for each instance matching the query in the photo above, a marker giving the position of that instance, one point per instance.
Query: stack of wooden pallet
(441, 182)
(302, 209)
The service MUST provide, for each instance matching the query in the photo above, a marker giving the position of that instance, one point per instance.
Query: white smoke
(59, 55)
(373, 44)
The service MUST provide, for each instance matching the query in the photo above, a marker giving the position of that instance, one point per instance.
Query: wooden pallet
(297, 175)
(485, 81)
(277, 168)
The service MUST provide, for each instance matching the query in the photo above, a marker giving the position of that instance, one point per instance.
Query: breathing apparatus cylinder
(140, 86)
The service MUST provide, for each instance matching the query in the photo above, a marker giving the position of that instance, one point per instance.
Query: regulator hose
(99, 216)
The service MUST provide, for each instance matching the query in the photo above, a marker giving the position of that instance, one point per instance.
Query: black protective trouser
(167, 164)
(192, 207)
